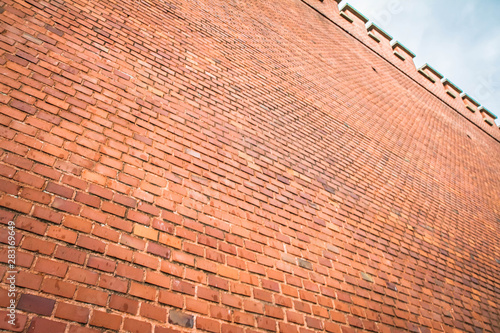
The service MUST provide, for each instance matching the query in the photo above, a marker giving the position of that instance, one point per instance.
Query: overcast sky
(459, 38)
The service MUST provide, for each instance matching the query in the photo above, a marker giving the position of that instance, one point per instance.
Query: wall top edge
(472, 100)
(375, 27)
(454, 86)
(404, 48)
(485, 110)
(353, 10)
(432, 70)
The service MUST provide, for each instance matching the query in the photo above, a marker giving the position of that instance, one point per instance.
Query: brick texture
(237, 166)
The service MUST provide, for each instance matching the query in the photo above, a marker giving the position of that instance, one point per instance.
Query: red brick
(88, 199)
(153, 312)
(70, 254)
(198, 306)
(6, 216)
(38, 245)
(91, 296)
(81, 329)
(266, 323)
(90, 243)
(31, 225)
(142, 291)
(15, 204)
(123, 304)
(113, 208)
(47, 214)
(130, 272)
(23, 259)
(58, 287)
(60, 190)
(171, 299)
(106, 233)
(62, 234)
(136, 326)
(295, 317)
(133, 242)
(35, 195)
(183, 287)
(158, 250)
(314, 323)
(161, 329)
(231, 300)
(101, 264)
(29, 179)
(51, 267)
(18, 161)
(42, 325)
(219, 312)
(226, 328)
(244, 318)
(217, 282)
(106, 320)
(146, 260)
(66, 205)
(28, 280)
(158, 279)
(19, 322)
(113, 283)
(8, 172)
(284, 327)
(9, 187)
(72, 312)
(46, 171)
(208, 324)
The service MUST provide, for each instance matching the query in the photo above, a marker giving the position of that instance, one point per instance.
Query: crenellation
(402, 52)
(352, 15)
(470, 103)
(430, 73)
(488, 117)
(380, 40)
(379, 35)
(451, 89)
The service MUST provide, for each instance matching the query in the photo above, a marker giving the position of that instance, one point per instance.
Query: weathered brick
(179, 318)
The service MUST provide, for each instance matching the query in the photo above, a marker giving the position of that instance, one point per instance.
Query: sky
(458, 38)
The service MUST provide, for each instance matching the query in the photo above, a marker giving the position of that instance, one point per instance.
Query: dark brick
(36, 304)
(304, 264)
(182, 319)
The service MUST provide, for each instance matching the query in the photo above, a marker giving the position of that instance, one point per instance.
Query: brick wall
(236, 166)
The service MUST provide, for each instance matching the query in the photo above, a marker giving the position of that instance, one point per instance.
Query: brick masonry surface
(236, 166)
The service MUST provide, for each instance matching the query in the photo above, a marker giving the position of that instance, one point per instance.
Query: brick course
(241, 166)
